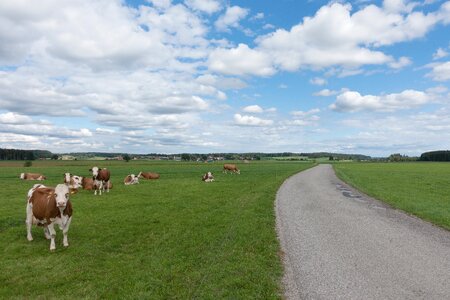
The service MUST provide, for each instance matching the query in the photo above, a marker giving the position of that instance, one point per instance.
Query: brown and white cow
(32, 176)
(148, 175)
(87, 183)
(208, 177)
(73, 181)
(47, 206)
(101, 179)
(232, 168)
(131, 179)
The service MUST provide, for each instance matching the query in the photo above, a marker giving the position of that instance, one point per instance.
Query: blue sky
(369, 77)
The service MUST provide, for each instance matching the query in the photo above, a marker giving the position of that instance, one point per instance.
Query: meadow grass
(176, 237)
(421, 189)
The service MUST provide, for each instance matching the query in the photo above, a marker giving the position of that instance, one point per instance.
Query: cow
(232, 168)
(101, 179)
(131, 179)
(208, 177)
(148, 175)
(73, 181)
(87, 183)
(47, 206)
(32, 176)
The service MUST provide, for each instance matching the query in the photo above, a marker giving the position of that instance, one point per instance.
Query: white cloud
(326, 93)
(251, 121)
(300, 113)
(231, 18)
(440, 53)
(335, 37)
(400, 63)
(207, 6)
(240, 61)
(254, 109)
(440, 71)
(352, 101)
(318, 81)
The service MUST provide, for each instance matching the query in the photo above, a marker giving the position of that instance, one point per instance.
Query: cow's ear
(73, 191)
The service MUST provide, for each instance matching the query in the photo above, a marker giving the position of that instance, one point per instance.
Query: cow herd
(47, 206)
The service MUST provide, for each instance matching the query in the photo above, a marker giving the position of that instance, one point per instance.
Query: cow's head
(76, 181)
(139, 175)
(62, 193)
(22, 175)
(67, 178)
(94, 171)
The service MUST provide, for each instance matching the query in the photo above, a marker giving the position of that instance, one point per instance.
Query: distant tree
(185, 156)
(28, 163)
(126, 157)
(331, 157)
(54, 156)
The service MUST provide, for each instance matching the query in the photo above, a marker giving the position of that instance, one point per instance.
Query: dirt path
(341, 244)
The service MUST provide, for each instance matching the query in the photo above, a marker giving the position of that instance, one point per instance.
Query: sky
(208, 76)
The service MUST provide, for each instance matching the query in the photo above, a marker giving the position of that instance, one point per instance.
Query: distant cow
(32, 176)
(87, 183)
(148, 175)
(101, 179)
(231, 167)
(73, 181)
(131, 179)
(208, 177)
(47, 206)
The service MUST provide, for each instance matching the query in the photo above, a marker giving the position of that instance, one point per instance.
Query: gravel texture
(338, 243)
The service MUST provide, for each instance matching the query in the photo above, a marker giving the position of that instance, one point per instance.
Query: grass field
(173, 238)
(421, 189)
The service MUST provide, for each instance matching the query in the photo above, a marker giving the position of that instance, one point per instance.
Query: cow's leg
(47, 232)
(107, 186)
(51, 229)
(29, 221)
(65, 230)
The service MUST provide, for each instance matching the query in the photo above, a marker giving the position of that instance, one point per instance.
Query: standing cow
(101, 179)
(232, 168)
(47, 206)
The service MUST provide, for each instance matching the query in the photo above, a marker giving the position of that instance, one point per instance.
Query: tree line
(17, 154)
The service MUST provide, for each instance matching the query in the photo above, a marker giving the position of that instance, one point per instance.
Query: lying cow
(47, 206)
(101, 179)
(87, 183)
(208, 177)
(73, 181)
(131, 179)
(148, 175)
(232, 168)
(32, 176)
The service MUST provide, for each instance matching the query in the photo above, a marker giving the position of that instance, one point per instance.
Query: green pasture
(421, 189)
(172, 238)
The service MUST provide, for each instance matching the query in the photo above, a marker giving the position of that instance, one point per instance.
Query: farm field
(421, 189)
(176, 237)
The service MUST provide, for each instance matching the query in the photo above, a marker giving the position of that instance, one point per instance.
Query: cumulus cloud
(440, 53)
(254, 109)
(335, 36)
(352, 101)
(440, 71)
(207, 6)
(231, 18)
(244, 120)
(318, 81)
(240, 61)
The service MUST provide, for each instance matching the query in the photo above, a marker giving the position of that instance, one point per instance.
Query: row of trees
(443, 155)
(16, 154)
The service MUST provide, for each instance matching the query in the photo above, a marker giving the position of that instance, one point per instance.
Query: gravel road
(338, 243)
